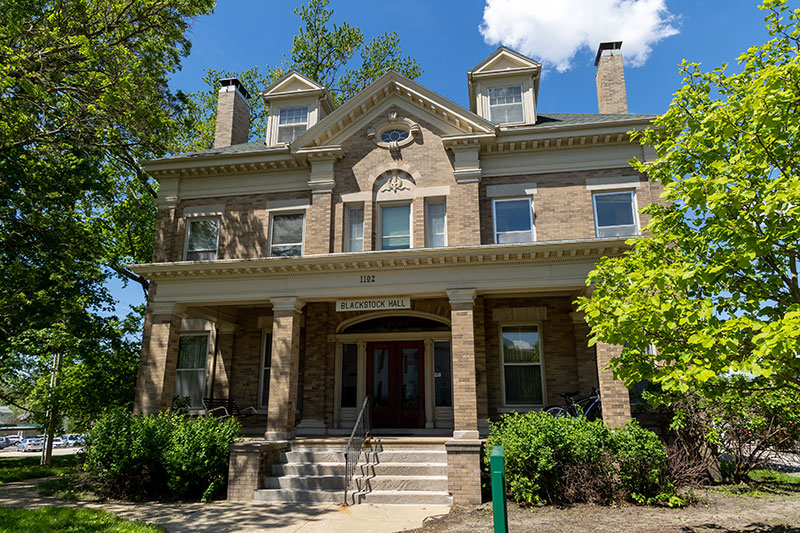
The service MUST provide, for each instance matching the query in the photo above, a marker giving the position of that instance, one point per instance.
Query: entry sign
(380, 304)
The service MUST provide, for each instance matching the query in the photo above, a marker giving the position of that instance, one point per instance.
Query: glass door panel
(380, 377)
(410, 366)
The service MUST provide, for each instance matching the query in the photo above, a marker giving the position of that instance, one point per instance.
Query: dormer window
(292, 123)
(505, 104)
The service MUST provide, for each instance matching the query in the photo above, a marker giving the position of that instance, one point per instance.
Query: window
(505, 104)
(190, 375)
(395, 227)
(349, 375)
(614, 214)
(286, 237)
(522, 365)
(292, 123)
(513, 220)
(354, 220)
(202, 238)
(394, 135)
(436, 226)
(442, 374)
(266, 365)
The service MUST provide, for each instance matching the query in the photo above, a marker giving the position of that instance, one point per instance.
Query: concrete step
(310, 496)
(392, 483)
(403, 497)
(386, 456)
(363, 469)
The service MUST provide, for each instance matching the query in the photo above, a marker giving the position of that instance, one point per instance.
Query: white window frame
(266, 340)
(428, 220)
(293, 124)
(347, 228)
(379, 225)
(517, 199)
(538, 326)
(207, 336)
(189, 222)
(521, 101)
(634, 207)
(278, 213)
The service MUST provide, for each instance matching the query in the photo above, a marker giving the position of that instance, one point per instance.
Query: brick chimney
(610, 78)
(233, 114)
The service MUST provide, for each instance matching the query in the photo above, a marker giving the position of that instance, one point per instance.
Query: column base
(278, 436)
(464, 470)
(466, 434)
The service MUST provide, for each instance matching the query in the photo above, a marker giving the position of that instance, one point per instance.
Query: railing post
(498, 469)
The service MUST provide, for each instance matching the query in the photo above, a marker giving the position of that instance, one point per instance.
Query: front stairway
(393, 470)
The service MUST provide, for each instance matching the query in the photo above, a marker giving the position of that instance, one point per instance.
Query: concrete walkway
(233, 516)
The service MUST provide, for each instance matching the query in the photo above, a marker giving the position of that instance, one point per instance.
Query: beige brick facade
(463, 293)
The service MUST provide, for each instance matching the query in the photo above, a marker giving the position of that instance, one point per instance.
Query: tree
(83, 98)
(714, 285)
(322, 51)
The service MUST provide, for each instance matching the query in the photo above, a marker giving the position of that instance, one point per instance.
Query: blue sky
(444, 37)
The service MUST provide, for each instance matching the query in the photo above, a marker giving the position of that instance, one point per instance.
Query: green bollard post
(497, 465)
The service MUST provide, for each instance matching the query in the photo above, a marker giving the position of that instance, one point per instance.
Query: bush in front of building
(160, 456)
(572, 460)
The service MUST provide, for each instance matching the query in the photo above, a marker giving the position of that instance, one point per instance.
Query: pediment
(293, 82)
(504, 59)
(392, 90)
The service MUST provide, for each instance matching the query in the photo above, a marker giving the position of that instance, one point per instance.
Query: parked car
(30, 445)
(14, 439)
(5, 442)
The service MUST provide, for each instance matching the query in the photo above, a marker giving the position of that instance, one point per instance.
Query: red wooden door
(395, 380)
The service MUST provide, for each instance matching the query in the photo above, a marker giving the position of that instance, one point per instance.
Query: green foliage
(166, 455)
(714, 287)
(571, 460)
(322, 50)
(60, 519)
(22, 468)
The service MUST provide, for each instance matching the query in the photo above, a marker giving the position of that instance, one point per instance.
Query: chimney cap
(228, 82)
(616, 45)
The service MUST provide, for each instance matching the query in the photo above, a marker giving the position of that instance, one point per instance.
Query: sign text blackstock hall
(382, 304)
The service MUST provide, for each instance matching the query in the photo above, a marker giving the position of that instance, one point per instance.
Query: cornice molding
(486, 256)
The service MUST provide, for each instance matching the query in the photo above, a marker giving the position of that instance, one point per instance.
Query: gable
(294, 82)
(504, 59)
(392, 89)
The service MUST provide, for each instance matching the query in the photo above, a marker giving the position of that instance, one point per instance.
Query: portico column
(285, 362)
(464, 449)
(585, 361)
(155, 380)
(616, 401)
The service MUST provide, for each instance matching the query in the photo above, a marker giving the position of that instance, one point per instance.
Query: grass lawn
(68, 520)
(22, 468)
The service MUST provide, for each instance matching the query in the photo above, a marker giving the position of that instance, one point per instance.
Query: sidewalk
(237, 516)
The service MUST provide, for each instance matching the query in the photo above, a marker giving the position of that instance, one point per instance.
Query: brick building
(400, 247)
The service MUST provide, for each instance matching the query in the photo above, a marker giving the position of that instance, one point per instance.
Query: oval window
(394, 135)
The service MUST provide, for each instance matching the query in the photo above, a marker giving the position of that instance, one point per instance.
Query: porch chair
(225, 408)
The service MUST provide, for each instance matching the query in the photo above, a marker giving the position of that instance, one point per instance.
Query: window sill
(519, 409)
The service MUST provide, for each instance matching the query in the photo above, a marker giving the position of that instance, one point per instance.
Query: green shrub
(570, 460)
(166, 455)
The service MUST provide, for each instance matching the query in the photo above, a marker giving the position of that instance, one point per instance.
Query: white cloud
(553, 31)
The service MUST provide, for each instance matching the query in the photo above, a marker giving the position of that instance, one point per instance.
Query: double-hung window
(435, 224)
(190, 374)
(292, 123)
(395, 229)
(522, 365)
(202, 239)
(286, 234)
(354, 222)
(513, 220)
(505, 104)
(266, 365)
(615, 214)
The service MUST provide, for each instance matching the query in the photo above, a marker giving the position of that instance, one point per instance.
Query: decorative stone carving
(392, 122)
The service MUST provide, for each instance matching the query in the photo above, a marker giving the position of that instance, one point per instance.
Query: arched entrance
(398, 370)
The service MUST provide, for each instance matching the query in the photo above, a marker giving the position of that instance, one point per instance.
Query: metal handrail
(362, 431)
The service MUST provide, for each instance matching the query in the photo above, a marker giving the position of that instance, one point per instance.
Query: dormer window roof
(504, 88)
(296, 103)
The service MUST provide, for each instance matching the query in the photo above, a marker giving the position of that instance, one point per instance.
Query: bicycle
(590, 407)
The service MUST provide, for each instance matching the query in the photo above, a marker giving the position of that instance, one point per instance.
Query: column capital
(461, 296)
(578, 317)
(287, 303)
(167, 309)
